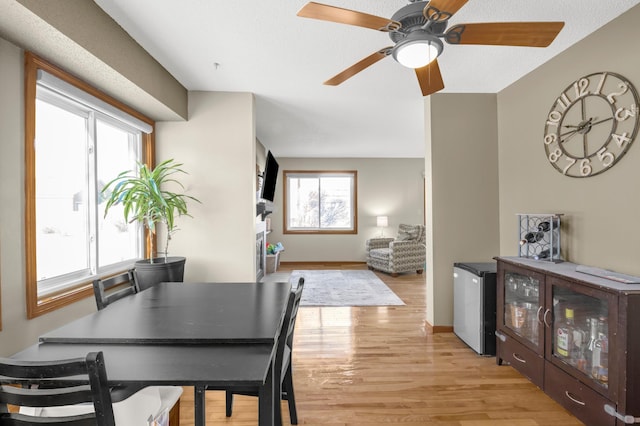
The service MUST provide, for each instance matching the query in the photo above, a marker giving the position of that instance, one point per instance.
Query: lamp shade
(417, 50)
(382, 221)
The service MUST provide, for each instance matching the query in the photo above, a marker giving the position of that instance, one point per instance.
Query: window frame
(32, 63)
(319, 174)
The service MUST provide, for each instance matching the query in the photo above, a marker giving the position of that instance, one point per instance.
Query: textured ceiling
(263, 47)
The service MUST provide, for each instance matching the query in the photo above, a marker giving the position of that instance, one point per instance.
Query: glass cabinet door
(523, 307)
(582, 332)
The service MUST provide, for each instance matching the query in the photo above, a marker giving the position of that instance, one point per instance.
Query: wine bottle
(546, 225)
(593, 351)
(544, 254)
(577, 352)
(564, 336)
(602, 343)
(531, 237)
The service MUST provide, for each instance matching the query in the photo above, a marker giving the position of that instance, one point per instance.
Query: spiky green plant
(145, 198)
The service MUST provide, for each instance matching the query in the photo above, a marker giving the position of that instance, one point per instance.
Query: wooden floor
(379, 366)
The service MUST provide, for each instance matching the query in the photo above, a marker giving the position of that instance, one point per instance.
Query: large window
(320, 202)
(80, 140)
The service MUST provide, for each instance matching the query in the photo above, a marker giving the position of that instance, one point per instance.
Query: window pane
(68, 243)
(320, 202)
(116, 152)
(336, 203)
(61, 192)
(303, 202)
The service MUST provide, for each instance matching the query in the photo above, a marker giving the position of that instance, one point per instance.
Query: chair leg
(229, 403)
(287, 386)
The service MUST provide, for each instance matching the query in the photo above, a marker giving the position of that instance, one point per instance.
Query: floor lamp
(382, 222)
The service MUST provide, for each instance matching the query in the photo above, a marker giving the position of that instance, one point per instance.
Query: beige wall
(391, 187)
(601, 225)
(84, 52)
(17, 332)
(462, 191)
(218, 148)
(79, 36)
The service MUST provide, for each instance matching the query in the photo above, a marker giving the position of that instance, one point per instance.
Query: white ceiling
(264, 48)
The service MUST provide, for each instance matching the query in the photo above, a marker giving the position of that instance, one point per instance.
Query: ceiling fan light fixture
(417, 51)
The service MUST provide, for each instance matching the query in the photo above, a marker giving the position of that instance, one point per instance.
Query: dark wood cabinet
(574, 335)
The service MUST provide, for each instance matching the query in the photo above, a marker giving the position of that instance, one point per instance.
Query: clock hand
(580, 126)
(569, 132)
(575, 132)
(602, 121)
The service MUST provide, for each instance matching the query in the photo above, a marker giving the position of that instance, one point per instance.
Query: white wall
(18, 332)
(218, 148)
(601, 224)
(390, 187)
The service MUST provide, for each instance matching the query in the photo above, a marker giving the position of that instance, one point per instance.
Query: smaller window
(320, 202)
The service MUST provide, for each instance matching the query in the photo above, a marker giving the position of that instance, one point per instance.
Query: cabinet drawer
(523, 359)
(582, 401)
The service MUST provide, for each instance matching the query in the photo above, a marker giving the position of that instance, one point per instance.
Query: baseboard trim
(433, 329)
(322, 263)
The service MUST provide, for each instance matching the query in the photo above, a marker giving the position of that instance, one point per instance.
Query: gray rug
(344, 288)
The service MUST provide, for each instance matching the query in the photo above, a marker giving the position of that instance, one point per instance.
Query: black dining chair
(75, 392)
(114, 288)
(283, 361)
(33, 384)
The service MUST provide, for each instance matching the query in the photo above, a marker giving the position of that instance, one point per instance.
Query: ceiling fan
(418, 30)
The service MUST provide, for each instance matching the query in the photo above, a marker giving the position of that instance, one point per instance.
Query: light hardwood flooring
(380, 365)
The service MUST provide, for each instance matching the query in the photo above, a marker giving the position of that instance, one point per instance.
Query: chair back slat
(47, 396)
(114, 288)
(51, 384)
(22, 420)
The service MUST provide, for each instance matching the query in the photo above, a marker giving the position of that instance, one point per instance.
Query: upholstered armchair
(405, 253)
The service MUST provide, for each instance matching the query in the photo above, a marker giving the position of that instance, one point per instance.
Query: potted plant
(145, 198)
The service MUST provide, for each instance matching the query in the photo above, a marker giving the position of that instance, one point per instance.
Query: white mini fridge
(474, 305)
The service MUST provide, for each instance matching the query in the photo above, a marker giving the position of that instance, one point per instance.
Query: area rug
(343, 288)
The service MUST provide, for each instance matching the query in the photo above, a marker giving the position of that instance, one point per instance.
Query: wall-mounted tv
(269, 178)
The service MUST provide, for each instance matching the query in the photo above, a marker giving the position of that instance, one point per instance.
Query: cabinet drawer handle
(515, 355)
(538, 314)
(627, 419)
(577, 401)
(544, 318)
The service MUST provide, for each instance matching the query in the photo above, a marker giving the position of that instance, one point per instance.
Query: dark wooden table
(196, 313)
(188, 334)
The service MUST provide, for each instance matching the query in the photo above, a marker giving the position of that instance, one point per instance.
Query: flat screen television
(269, 178)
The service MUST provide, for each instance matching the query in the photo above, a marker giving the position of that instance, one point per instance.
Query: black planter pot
(149, 274)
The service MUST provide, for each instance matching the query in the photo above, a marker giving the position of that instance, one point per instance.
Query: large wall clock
(591, 124)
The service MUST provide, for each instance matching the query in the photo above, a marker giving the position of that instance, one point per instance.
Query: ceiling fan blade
(531, 34)
(345, 16)
(356, 68)
(430, 78)
(447, 7)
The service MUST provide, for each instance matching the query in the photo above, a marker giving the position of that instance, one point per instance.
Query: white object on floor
(150, 402)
